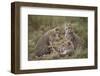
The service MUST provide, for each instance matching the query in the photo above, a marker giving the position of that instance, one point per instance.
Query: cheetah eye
(69, 43)
(66, 28)
(69, 27)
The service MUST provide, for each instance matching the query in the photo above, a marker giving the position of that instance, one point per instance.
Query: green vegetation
(38, 25)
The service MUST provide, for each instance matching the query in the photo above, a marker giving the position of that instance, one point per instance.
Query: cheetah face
(69, 30)
(65, 48)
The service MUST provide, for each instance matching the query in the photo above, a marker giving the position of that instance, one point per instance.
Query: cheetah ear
(67, 25)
